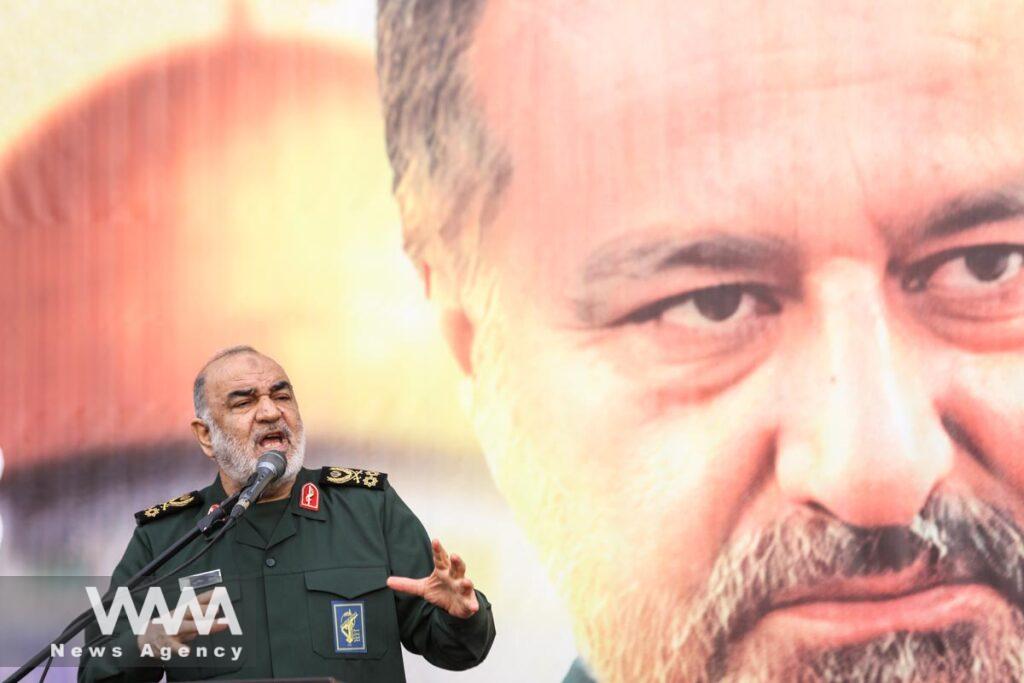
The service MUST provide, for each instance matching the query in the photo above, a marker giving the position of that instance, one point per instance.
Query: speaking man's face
(252, 410)
(748, 332)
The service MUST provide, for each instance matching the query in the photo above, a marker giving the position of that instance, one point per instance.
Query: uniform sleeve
(443, 640)
(130, 665)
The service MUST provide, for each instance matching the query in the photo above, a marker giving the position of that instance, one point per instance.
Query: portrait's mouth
(274, 440)
(863, 608)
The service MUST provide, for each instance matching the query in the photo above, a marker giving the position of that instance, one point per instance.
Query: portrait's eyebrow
(283, 384)
(639, 258)
(716, 251)
(973, 211)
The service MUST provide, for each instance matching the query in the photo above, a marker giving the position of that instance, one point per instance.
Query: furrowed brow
(636, 259)
(973, 211)
(241, 393)
(716, 251)
(283, 384)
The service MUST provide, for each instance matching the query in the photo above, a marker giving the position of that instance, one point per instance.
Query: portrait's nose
(860, 436)
(267, 410)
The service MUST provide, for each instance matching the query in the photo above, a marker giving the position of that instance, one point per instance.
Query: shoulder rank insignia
(169, 508)
(346, 476)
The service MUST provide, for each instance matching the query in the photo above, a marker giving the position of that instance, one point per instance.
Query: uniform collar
(246, 534)
(579, 673)
(214, 493)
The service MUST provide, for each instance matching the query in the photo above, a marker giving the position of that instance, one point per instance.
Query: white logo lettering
(155, 602)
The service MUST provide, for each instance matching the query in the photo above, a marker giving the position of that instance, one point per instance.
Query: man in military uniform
(316, 573)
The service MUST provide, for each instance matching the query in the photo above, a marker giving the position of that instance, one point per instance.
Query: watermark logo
(156, 604)
(34, 608)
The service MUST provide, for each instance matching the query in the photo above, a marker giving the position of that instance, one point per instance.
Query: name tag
(199, 581)
(349, 626)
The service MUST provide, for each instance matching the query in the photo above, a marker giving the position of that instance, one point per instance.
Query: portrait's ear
(423, 268)
(202, 434)
(458, 332)
(455, 324)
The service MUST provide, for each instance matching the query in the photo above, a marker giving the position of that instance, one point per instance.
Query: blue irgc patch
(349, 626)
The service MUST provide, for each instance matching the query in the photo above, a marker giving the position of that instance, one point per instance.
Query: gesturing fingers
(157, 638)
(440, 555)
(458, 567)
(200, 620)
(471, 600)
(406, 585)
(192, 627)
(466, 605)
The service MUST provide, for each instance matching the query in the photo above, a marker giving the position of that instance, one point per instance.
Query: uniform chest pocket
(351, 612)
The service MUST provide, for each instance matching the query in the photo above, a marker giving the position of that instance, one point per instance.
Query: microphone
(269, 467)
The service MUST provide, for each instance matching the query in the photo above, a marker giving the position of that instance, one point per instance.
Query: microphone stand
(204, 526)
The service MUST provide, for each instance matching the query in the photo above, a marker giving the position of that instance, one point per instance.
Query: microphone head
(273, 460)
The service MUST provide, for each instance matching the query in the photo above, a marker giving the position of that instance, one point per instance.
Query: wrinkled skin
(757, 265)
(252, 409)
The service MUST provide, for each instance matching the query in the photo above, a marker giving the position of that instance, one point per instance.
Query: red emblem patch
(310, 497)
(213, 507)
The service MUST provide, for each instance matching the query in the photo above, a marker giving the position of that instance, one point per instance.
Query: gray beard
(232, 457)
(711, 636)
(966, 652)
(960, 653)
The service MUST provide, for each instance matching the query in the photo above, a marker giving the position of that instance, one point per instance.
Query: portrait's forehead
(712, 71)
(769, 118)
(621, 39)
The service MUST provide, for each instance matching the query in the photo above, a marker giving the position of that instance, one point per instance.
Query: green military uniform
(578, 673)
(308, 585)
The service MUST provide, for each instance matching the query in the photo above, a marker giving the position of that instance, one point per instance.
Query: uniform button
(271, 562)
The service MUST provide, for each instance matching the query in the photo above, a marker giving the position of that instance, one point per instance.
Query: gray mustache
(283, 429)
(956, 539)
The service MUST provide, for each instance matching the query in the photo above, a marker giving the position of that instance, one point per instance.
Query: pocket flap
(348, 582)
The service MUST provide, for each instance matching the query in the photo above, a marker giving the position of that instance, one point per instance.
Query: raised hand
(447, 586)
(157, 637)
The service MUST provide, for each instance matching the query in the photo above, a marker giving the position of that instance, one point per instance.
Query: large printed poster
(693, 328)
(177, 178)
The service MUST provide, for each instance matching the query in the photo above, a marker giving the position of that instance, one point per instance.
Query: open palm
(447, 586)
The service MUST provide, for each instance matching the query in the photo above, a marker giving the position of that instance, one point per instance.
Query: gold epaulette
(169, 508)
(347, 476)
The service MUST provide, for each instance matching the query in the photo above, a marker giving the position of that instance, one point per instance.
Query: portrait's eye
(717, 305)
(706, 329)
(991, 265)
(712, 306)
(967, 271)
(973, 295)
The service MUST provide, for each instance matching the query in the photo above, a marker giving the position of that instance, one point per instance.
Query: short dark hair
(447, 170)
(199, 385)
